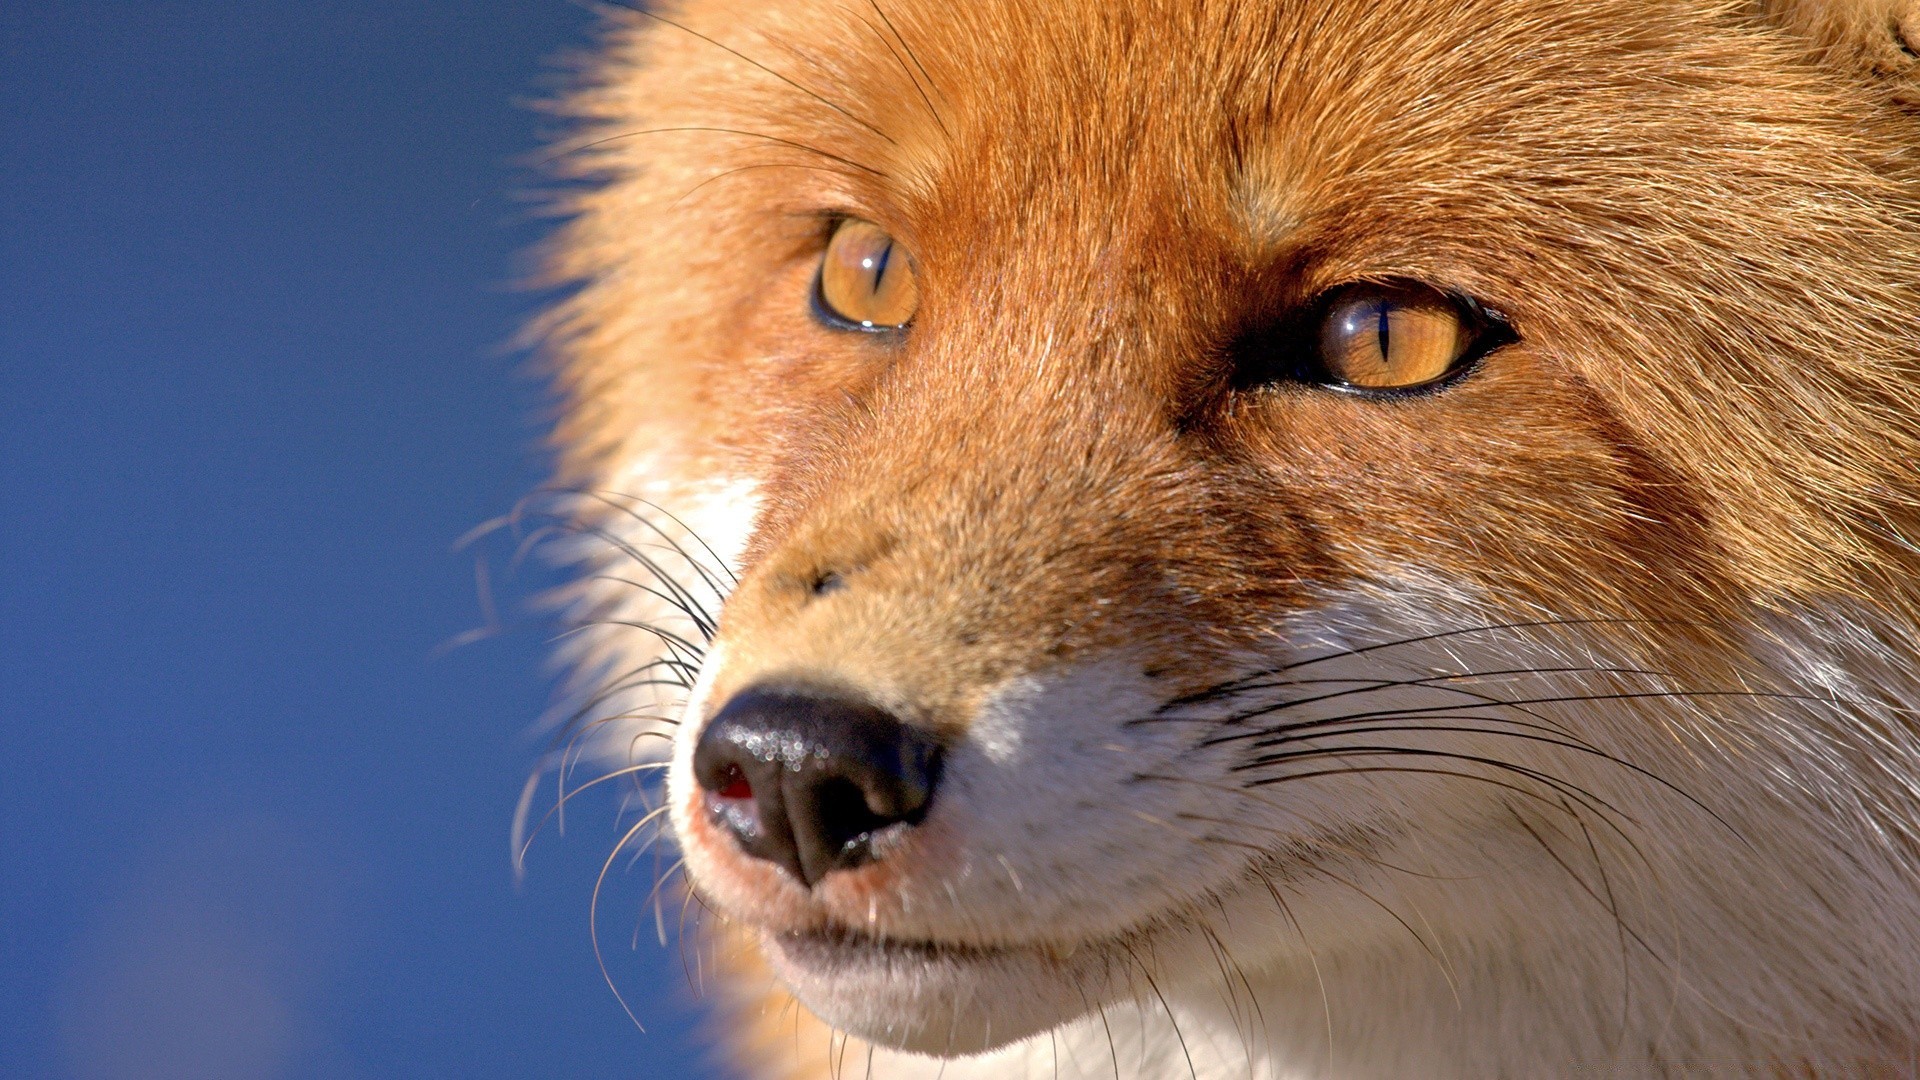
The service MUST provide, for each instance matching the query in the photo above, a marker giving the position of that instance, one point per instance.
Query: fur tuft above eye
(866, 281)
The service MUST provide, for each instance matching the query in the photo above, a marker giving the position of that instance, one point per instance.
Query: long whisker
(904, 44)
(1320, 842)
(683, 597)
(680, 645)
(1261, 853)
(1230, 973)
(1340, 728)
(719, 563)
(1579, 794)
(1612, 907)
(738, 169)
(1565, 699)
(1113, 1050)
(689, 668)
(1192, 1071)
(1434, 681)
(836, 107)
(698, 616)
(593, 923)
(1231, 686)
(561, 803)
(699, 128)
(1313, 960)
(911, 77)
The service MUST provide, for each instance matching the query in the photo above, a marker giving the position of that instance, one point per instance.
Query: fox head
(1345, 534)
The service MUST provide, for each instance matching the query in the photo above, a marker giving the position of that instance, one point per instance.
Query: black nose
(804, 778)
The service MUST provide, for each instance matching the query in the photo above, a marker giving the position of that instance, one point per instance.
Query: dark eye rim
(823, 312)
(1290, 343)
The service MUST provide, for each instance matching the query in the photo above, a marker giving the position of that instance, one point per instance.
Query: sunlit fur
(1558, 722)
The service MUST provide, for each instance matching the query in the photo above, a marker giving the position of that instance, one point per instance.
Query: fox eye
(1397, 337)
(866, 281)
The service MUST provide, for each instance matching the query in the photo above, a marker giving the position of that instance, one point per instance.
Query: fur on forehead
(1697, 218)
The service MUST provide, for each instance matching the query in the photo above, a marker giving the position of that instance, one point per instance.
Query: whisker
(567, 767)
(522, 807)
(718, 562)
(695, 128)
(650, 591)
(842, 110)
(611, 691)
(1263, 853)
(735, 171)
(1275, 734)
(1313, 960)
(681, 646)
(696, 981)
(1430, 681)
(1316, 841)
(574, 730)
(1612, 906)
(1564, 789)
(683, 597)
(555, 810)
(1339, 728)
(690, 670)
(911, 77)
(1230, 686)
(1113, 1050)
(593, 924)
(1192, 1072)
(1567, 699)
(1223, 957)
(529, 542)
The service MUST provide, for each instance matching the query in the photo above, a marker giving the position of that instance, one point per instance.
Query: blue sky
(255, 267)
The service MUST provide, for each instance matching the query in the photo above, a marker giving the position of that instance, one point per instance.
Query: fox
(1272, 538)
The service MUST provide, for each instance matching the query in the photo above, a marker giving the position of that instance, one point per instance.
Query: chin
(934, 999)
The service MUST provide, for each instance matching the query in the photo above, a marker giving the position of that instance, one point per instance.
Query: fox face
(1337, 538)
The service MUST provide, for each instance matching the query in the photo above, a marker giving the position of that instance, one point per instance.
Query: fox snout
(807, 778)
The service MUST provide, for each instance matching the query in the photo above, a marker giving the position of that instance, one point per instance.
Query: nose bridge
(984, 521)
(1012, 490)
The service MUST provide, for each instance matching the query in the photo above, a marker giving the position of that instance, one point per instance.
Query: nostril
(734, 783)
(846, 821)
(806, 779)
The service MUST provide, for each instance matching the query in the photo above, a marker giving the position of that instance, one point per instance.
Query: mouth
(938, 997)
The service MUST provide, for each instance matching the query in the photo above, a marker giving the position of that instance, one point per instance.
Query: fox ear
(1878, 38)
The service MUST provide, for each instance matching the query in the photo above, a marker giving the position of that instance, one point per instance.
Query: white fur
(623, 703)
(1766, 912)
(612, 605)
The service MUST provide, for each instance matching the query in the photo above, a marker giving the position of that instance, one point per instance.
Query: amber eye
(866, 281)
(1394, 337)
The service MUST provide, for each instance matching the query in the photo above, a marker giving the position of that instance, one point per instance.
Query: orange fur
(1701, 219)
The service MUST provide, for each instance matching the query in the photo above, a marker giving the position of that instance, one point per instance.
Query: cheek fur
(1578, 691)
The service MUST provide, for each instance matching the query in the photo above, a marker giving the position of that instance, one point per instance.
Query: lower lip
(844, 955)
(936, 999)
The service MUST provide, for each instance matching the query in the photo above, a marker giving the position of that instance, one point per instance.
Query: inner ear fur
(1878, 38)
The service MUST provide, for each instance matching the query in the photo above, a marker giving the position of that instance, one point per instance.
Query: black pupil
(880, 266)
